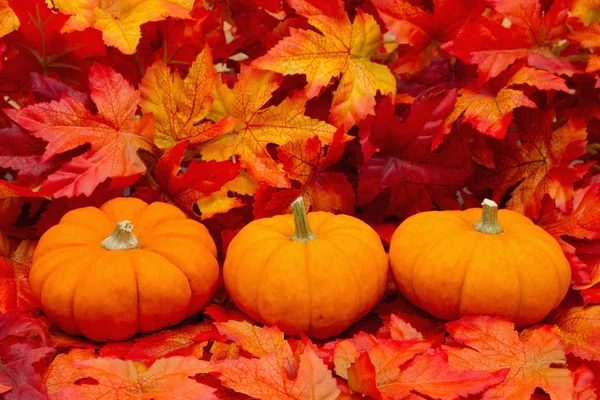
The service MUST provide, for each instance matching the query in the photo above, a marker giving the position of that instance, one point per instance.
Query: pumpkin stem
(121, 238)
(489, 219)
(303, 232)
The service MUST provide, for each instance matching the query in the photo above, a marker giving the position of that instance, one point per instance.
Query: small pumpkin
(317, 273)
(155, 268)
(479, 261)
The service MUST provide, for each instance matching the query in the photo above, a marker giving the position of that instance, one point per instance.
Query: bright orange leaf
(261, 126)
(342, 48)
(61, 372)
(579, 329)
(119, 20)
(114, 134)
(179, 105)
(533, 358)
(266, 378)
(167, 378)
(538, 157)
(488, 112)
(428, 374)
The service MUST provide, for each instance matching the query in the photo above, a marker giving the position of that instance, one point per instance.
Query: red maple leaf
(531, 34)
(415, 176)
(39, 46)
(113, 134)
(423, 29)
(24, 346)
(199, 180)
(15, 291)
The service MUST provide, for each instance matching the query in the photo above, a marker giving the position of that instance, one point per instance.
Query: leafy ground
(232, 109)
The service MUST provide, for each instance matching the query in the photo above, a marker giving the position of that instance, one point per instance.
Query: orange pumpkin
(156, 268)
(317, 273)
(479, 261)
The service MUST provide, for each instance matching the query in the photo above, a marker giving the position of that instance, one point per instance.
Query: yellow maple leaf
(260, 126)
(8, 19)
(343, 48)
(179, 104)
(119, 20)
(220, 202)
(588, 11)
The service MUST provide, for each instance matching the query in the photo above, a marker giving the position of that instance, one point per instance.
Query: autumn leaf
(492, 344)
(119, 21)
(61, 373)
(258, 341)
(199, 180)
(409, 172)
(265, 378)
(341, 49)
(427, 374)
(579, 329)
(15, 291)
(180, 341)
(167, 378)
(180, 105)
(8, 19)
(38, 46)
(588, 11)
(306, 163)
(24, 348)
(531, 35)
(21, 152)
(260, 125)
(347, 351)
(489, 110)
(424, 30)
(534, 160)
(114, 134)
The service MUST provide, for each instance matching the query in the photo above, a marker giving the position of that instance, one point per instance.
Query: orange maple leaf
(114, 134)
(261, 126)
(379, 374)
(61, 373)
(167, 378)
(265, 378)
(119, 20)
(579, 329)
(533, 358)
(179, 105)
(538, 158)
(343, 48)
(8, 19)
(276, 374)
(488, 111)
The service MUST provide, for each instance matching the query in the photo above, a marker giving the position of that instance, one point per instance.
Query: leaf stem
(303, 233)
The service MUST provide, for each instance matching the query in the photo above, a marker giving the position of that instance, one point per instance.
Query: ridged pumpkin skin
(320, 287)
(444, 266)
(108, 295)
